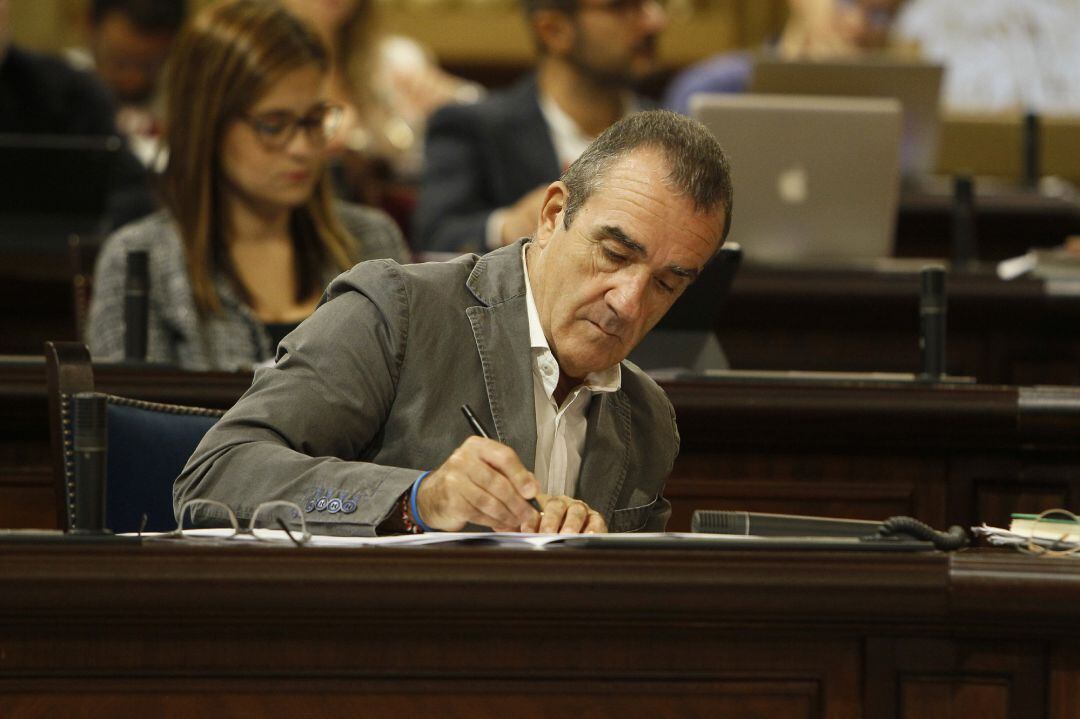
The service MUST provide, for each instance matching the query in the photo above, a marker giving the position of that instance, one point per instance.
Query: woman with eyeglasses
(250, 236)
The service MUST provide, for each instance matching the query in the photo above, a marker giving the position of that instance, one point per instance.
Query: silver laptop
(816, 178)
(917, 85)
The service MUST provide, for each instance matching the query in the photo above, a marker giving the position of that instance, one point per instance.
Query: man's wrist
(402, 517)
(412, 514)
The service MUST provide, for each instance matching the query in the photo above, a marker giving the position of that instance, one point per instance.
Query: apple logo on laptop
(791, 185)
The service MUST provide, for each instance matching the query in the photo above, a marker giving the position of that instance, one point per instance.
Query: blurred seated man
(815, 30)
(43, 95)
(487, 165)
(358, 421)
(1001, 55)
(129, 41)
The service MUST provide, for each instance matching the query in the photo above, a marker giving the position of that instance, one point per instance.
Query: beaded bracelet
(406, 517)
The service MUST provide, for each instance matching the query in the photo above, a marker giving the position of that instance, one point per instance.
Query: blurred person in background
(128, 42)
(388, 85)
(250, 236)
(814, 30)
(43, 95)
(1001, 55)
(487, 165)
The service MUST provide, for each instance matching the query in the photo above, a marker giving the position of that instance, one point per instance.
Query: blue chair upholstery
(148, 445)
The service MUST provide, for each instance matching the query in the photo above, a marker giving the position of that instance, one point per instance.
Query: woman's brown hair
(222, 63)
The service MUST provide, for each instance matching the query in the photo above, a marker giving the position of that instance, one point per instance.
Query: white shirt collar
(606, 380)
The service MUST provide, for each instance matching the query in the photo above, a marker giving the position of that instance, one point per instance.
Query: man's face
(615, 40)
(633, 247)
(128, 59)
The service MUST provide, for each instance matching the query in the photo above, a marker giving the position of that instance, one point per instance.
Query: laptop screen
(917, 85)
(817, 177)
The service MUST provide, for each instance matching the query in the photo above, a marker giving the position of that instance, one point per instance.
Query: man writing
(488, 165)
(359, 423)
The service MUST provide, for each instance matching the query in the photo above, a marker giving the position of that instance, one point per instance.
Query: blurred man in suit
(487, 165)
(43, 95)
(128, 43)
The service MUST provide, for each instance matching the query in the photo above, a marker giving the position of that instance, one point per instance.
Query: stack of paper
(1045, 531)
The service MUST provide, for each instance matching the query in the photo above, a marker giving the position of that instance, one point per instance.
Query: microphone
(707, 521)
(90, 447)
(932, 311)
(779, 525)
(1030, 159)
(963, 222)
(136, 306)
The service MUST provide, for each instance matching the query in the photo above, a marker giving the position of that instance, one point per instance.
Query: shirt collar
(606, 380)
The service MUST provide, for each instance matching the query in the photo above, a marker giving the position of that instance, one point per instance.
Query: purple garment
(729, 72)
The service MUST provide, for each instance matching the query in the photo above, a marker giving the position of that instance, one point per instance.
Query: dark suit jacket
(42, 95)
(365, 396)
(478, 158)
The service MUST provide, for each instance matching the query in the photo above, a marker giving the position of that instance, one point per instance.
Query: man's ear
(551, 212)
(555, 30)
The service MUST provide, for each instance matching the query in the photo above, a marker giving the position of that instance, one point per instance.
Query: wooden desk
(944, 454)
(92, 632)
(1023, 332)
(1008, 221)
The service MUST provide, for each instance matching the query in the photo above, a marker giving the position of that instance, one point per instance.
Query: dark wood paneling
(1065, 682)
(1009, 221)
(917, 678)
(1016, 333)
(478, 700)
(240, 631)
(823, 484)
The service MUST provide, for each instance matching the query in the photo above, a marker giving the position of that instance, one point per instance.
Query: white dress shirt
(560, 430)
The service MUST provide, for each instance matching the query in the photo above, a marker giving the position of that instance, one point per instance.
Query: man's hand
(482, 482)
(522, 217)
(565, 515)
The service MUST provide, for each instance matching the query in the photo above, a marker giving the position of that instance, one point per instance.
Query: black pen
(478, 428)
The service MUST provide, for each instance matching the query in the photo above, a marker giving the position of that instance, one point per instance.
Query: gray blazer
(366, 393)
(235, 339)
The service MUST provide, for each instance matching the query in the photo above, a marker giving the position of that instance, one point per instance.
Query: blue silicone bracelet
(413, 507)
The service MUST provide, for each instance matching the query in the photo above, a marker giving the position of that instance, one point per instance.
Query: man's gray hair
(699, 168)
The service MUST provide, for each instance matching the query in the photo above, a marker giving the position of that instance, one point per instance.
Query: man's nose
(627, 297)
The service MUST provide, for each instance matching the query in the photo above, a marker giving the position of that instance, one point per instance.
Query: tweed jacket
(177, 335)
(365, 395)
